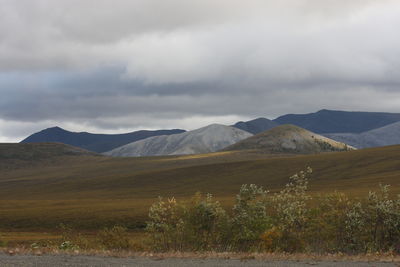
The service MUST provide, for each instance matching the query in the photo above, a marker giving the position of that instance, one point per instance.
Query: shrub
(67, 245)
(291, 211)
(205, 224)
(198, 225)
(249, 219)
(326, 229)
(286, 221)
(72, 239)
(374, 224)
(383, 214)
(166, 224)
(271, 238)
(115, 238)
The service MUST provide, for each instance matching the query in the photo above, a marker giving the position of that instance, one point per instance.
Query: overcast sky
(111, 66)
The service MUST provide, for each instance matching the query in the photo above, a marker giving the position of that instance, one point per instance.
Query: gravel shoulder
(47, 260)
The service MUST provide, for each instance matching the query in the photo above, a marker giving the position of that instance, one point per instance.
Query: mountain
(204, 140)
(332, 121)
(289, 139)
(384, 136)
(256, 126)
(93, 142)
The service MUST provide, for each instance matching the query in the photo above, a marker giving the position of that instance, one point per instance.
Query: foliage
(198, 225)
(111, 238)
(374, 223)
(71, 239)
(114, 238)
(326, 230)
(288, 221)
(249, 219)
(292, 212)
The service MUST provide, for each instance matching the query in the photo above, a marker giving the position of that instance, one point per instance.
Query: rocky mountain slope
(384, 136)
(204, 140)
(289, 139)
(93, 142)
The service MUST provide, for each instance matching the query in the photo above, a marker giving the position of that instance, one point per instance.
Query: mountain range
(334, 121)
(204, 140)
(358, 129)
(93, 142)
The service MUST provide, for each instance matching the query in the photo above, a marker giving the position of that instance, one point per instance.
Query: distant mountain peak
(213, 125)
(57, 128)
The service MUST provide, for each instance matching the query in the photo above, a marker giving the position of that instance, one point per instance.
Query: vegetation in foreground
(259, 222)
(287, 221)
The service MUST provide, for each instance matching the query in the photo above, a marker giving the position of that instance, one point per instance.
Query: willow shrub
(377, 221)
(200, 224)
(249, 218)
(286, 221)
(291, 213)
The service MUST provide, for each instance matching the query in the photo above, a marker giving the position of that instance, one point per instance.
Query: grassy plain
(91, 192)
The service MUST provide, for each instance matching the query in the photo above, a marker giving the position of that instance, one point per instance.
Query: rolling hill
(256, 126)
(93, 142)
(204, 140)
(384, 136)
(14, 156)
(39, 151)
(93, 192)
(289, 139)
(333, 121)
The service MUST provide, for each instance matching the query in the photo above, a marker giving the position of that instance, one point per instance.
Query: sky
(112, 66)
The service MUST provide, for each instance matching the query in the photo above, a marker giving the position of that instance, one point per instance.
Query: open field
(91, 192)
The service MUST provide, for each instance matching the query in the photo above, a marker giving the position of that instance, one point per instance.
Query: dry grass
(92, 192)
(51, 240)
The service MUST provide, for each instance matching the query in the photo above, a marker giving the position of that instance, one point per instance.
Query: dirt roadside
(47, 260)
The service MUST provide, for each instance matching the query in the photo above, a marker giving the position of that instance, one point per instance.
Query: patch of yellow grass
(199, 156)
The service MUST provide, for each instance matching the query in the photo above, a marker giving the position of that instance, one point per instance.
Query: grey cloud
(120, 65)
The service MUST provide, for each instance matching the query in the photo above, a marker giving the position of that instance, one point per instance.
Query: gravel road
(86, 261)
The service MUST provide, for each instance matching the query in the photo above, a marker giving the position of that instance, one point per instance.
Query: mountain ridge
(256, 126)
(93, 142)
(337, 121)
(383, 136)
(207, 139)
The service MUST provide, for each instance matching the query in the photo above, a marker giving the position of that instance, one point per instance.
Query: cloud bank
(115, 66)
